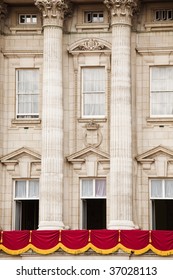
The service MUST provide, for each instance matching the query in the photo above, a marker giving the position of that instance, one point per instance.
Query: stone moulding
(90, 45)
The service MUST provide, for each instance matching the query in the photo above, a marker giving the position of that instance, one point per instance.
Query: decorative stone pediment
(90, 45)
(151, 154)
(160, 157)
(90, 161)
(22, 162)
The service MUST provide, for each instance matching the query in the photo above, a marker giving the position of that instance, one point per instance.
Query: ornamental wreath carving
(91, 45)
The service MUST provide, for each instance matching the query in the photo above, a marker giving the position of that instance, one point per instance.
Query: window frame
(82, 197)
(27, 197)
(31, 17)
(96, 116)
(163, 197)
(163, 12)
(26, 115)
(152, 115)
(91, 13)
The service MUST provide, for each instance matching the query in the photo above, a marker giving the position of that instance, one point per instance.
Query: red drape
(79, 241)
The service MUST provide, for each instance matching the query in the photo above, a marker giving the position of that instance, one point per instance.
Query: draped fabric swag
(79, 241)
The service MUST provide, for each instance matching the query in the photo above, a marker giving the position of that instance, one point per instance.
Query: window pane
(20, 189)
(33, 191)
(27, 91)
(162, 90)
(87, 188)
(169, 188)
(94, 91)
(100, 188)
(156, 188)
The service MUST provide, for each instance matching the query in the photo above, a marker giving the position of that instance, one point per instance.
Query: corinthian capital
(122, 9)
(53, 10)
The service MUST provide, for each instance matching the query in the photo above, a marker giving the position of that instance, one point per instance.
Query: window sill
(158, 120)
(24, 30)
(92, 26)
(159, 26)
(88, 120)
(25, 122)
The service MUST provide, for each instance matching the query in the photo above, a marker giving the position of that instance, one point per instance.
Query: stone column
(51, 183)
(121, 122)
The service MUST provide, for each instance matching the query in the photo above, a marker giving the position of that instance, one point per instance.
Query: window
(93, 92)
(26, 204)
(93, 188)
(26, 189)
(161, 195)
(94, 17)
(161, 91)
(27, 19)
(93, 197)
(164, 15)
(27, 92)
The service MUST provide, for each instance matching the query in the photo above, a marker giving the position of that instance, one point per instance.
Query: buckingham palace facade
(86, 115)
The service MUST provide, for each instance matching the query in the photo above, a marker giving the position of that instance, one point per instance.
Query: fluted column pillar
(51, 183)
(121, 126)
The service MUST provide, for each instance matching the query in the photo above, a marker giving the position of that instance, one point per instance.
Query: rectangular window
(27, 19)
(26, 189)
(164, 15)
(93, 91)
(161, 189)
(26, 204)
(27, 92)
(93, 203)
(94, 17)
(93, 188)
(161, 91)
(161, 195)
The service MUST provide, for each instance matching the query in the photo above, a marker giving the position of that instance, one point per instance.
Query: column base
(121, 224)
(51, 225)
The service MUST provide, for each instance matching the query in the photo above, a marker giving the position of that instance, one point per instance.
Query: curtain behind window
(94, 91)
(27, 90)
(162, 90)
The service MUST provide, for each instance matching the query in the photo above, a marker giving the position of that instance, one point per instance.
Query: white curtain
(169, 188)
(27, 90)
(162, 90)
(33, 191)
(27, 189)
(20, 189)
(87, 188)
(94, 91)
(100, 188)
(156, 188)
(94, 188)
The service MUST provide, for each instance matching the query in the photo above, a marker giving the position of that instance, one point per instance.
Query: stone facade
(128, 145)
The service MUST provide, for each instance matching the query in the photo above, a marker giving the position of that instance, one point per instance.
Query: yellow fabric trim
(161, 253)
(86, 248)
(14, 252)
(135, 252)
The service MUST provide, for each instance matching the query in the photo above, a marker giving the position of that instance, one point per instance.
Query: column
(51, 183)
(121, 122)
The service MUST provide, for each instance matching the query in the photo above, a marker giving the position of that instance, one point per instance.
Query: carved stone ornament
(91, 45)
(53, 8)
(3, 10)
(122, 7)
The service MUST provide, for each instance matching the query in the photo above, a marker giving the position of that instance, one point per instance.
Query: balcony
(75, 242)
